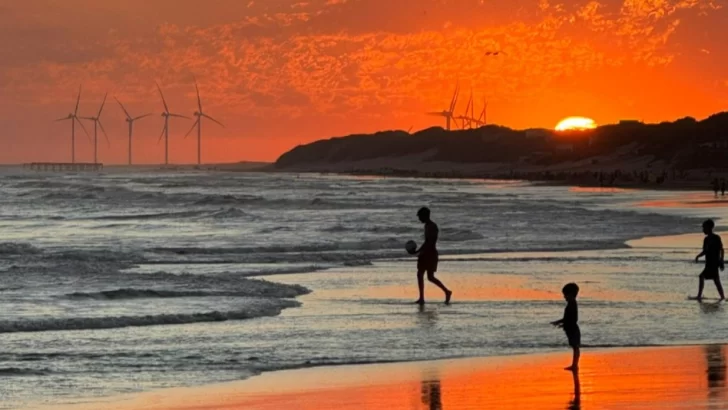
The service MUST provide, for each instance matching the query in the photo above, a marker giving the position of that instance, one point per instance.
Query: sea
(133, 279)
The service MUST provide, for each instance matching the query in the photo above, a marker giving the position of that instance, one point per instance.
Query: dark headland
(683, 154)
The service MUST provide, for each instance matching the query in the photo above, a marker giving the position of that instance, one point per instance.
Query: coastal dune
(689, 377)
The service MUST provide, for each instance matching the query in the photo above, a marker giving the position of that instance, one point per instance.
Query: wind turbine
(165, 131)
(468, 118)
(482, 119)
(198, 123)
(450, 112)
(97, 125)
(130, 120)
(73, 117)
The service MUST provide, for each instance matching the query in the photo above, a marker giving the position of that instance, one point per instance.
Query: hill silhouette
(679, 146)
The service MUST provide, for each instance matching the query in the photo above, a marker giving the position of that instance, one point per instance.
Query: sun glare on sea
(576, 123)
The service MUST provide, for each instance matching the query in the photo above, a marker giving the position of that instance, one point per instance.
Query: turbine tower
(198, 123)
(165, 131)
(130, 120)
(73, 117)
(450, 112)
(97, 125)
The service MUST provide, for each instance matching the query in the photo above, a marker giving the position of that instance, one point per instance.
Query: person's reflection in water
(575, 403)
(427, 317)
(715, 359)
(709, 308)
(431, 394)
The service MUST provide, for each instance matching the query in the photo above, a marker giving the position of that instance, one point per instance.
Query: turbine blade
(103, 131)
(62, 119)
(166, 109)
(78, 100)
(439, 114)
(193, 127)
(179, 116)
(199, 100)
(162, 134)
(102, 105)
(83, 128)
(122, 107)
(140, 117)
(454, 100)
(210, 118)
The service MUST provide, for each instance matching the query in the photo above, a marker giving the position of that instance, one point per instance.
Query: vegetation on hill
(683, 144)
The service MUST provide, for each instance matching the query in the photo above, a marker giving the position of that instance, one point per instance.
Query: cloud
(335, 58)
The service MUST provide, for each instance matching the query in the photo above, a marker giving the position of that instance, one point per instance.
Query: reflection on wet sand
(427, 316)
(431, 394)
(625, 379)
(575, 403)
(712, 307)
(716, 368)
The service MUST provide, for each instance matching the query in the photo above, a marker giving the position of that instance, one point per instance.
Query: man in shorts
(428, 257)
(713, 252)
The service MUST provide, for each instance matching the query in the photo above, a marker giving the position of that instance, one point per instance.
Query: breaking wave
(269, 308)
(14, 371)
(16, 248)
(132, 293)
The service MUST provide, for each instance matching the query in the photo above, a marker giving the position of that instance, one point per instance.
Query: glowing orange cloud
(287, 72)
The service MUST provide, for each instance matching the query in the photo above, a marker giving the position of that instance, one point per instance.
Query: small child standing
(569, 323)
(713, 252)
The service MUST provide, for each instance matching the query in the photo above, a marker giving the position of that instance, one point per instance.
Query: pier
(64, 166)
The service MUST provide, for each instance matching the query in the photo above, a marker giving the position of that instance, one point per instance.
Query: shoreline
(580, 181)
(620, 377)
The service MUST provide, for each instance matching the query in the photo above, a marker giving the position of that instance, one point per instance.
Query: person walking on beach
(716, 186)
(713, 252)
(570, 323)
(427, 258)
(722, 187)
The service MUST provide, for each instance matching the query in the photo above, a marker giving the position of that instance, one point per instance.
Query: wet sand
(691, 377)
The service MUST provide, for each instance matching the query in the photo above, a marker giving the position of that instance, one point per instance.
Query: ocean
(133, 280)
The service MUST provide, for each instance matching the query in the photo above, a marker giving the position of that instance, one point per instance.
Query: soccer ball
(411, 247)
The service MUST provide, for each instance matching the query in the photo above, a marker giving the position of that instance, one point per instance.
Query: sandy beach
(690, 377)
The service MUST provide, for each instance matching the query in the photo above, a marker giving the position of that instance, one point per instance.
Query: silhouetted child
(569, 323)
(713, 252)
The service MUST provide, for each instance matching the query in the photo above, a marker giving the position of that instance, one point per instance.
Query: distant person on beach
(713, 252)
(715, 187)
(428, 257)
(569, 322)
(722, 187)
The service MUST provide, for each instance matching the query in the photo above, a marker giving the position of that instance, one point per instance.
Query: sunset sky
(279, 73)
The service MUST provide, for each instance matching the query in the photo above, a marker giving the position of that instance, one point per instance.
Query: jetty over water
(64, 166)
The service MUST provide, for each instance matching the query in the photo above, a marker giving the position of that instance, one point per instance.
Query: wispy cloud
(337, 58)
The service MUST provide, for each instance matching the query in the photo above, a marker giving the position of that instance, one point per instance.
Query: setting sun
(576, 123)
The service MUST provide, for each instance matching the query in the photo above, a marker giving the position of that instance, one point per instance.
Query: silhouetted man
(713, 252)
(428, 257)
(722, 187)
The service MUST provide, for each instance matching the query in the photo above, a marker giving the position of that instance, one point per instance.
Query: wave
(269, 308)
(17, 248)
(230, 213)
(132, 293)
(373, 229)
(227, 199)
(160, 215)
(15, 371)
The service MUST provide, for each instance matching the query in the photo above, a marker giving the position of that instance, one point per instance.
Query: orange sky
(283, 72)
